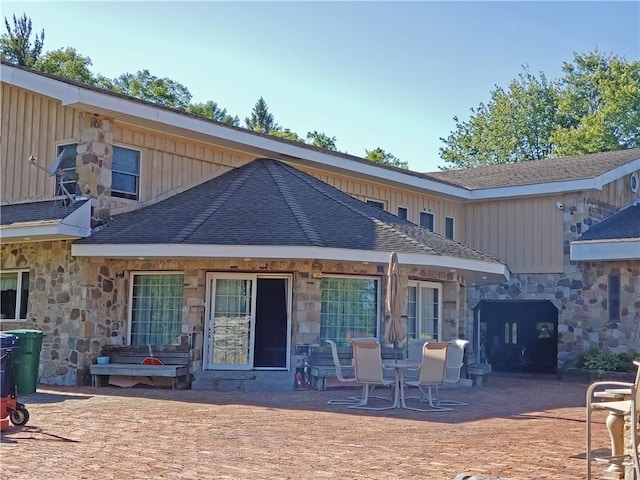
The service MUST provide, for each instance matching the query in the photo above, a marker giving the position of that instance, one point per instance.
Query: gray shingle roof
(48, 210)
(549, 170)
(624, 224)
(267, 202)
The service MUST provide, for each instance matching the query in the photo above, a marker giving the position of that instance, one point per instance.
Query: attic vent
(634, 182)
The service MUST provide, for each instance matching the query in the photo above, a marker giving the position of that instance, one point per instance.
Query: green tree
(514, 126)
(68, 63)
(322, 140)
(15, 45)
(212, 111)
(145, 86)
(593, 107)
(378, 155)
(261, 120)
(287, 134)
(599, 105)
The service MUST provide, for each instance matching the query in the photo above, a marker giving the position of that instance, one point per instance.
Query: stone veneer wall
(579, 292)
(82, 303)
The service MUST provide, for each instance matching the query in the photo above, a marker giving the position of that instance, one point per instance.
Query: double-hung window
(14, 295)
(349, 308)
(156, 308)
(125, 173)
(424, 310)
(66, 173)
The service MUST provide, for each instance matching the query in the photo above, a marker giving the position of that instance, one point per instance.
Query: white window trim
(130, 299)
(18, 273)
(436, 286)
(407, 209)
(138, 186)
(208, 327)
(453, 230)
(58, 145)
(378, 294)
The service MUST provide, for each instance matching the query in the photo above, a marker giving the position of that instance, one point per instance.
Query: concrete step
(245, 381)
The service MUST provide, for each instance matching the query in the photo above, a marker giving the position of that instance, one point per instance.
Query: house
(156, 227)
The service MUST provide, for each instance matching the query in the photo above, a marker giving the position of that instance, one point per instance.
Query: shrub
(595, 359)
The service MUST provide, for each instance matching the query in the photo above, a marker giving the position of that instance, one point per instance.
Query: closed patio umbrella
(395, 331)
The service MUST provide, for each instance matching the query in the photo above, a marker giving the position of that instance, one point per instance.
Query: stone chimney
(93, 164)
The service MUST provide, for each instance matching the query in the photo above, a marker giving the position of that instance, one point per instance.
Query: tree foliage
(378, 155)
(287, 134)
(261, 120)
(319, 139)
(594, 107)
(163, 91)
(212, 111)
(68, 63)
(15, 45)
(600, 105)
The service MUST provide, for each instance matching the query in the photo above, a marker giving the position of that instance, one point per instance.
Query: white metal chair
(340, 377)
(369, 370)
(455, 360)
(431, 373)
(617, 409)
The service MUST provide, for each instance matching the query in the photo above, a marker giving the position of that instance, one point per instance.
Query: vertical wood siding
(168, 162)
(394, 197)
(617, 193)
(31, 125)
(526, 234)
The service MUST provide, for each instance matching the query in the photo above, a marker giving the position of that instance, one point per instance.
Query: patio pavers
(516, 427)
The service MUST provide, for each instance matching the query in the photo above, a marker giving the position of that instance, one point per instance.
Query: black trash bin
(26, 358)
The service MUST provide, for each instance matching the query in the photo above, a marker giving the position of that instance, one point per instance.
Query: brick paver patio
(516, 427)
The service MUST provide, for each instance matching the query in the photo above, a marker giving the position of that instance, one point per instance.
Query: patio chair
(455, 360)
(431, 373)
(617, 409)
(340, 377)
(369, 370)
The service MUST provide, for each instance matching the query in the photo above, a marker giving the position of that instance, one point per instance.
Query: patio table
(399, 369)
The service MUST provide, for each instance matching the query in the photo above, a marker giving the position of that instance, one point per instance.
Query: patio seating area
(518, 427)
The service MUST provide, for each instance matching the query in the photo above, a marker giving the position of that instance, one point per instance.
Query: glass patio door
(424, 310)
(232, 303)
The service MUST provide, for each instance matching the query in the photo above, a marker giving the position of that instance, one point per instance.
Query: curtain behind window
(156, 309)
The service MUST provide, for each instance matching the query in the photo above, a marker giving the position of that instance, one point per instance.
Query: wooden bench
(127, 361)
(321, 364)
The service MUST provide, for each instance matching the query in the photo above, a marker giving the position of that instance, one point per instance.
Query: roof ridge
(329, 192)
(298, 212)
(220, 200)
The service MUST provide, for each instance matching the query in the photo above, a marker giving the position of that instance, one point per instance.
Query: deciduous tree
(68, 63)
(318, 139)
(163, 91)
(212, 111)
(380, 156)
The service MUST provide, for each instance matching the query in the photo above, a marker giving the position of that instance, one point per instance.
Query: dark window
(373, 203)
(448, 227)
(614, 298)
(125, 173)
(403, 212)
(14, 295)
(426, 220)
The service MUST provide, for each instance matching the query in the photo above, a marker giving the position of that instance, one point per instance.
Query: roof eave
(476, 272)
(605, 250)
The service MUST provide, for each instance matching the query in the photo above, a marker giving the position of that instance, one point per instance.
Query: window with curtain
(156, 308)
(14, 295)
(349, 308)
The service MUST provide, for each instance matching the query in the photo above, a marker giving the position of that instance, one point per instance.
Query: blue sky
(372, 74)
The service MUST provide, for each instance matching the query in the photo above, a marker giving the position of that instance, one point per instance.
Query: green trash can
(26, 359)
